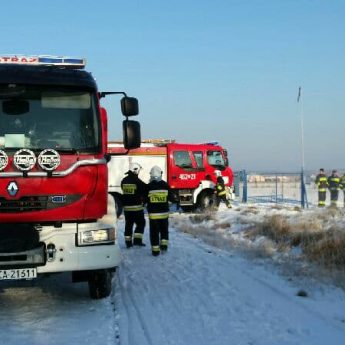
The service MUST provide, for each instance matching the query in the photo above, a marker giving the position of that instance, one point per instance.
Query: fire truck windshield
(215, 158)
(40, 117)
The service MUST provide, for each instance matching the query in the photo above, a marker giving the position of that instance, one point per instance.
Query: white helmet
(156, 173)
(217, 173)
(135, 168)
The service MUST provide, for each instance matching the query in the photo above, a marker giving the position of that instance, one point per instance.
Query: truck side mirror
(131, 134)
(129, 106)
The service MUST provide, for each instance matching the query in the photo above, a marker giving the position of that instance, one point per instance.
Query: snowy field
(216, 285)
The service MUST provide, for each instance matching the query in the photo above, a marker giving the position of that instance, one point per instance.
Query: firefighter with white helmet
(134, 192)
(217, 173)
(221, 191)
(158, 198)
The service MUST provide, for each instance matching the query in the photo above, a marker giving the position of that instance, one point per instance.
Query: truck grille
(24, 204)
(17, 238)
(29, 258)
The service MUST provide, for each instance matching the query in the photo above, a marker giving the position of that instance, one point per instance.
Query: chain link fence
(281, 188)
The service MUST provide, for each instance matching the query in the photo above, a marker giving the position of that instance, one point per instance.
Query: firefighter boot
(164, 245)
(155, 250)
(138, 240)
(128, 241)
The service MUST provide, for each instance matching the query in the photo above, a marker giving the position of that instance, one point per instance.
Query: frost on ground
(202, 291)
(207, 293)
(308, 242)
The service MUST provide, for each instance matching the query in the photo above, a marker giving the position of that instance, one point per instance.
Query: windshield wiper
(12, 94)
(67, 150)
(62, 150)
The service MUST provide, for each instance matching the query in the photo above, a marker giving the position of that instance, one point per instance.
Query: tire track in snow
(133, 316)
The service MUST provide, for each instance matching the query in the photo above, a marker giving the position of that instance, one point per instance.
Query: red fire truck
(189, 169)
(55, 211)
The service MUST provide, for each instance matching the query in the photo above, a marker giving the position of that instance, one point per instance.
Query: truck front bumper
(60, 250)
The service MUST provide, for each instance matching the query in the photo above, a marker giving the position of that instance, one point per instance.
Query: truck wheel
(100, 284)
(207, 201)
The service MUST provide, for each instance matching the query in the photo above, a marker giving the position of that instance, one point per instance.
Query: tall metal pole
(300, 101)
(303, 190)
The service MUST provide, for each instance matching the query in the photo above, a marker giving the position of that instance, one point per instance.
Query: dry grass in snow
(315, 236)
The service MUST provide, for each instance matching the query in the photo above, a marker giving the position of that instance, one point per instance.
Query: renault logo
(12, 188)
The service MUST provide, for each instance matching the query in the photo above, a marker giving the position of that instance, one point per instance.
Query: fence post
(276, 188)
(237, 181)
(304, 200)
(245, 187)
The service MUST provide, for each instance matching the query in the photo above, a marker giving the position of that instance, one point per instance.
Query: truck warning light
(47, 60)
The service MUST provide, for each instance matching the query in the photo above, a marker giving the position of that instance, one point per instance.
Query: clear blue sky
(207, 70)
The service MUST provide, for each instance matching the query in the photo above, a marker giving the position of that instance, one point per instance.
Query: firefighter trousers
(334, 197)
(224, 199)
(136, 218)
(159, 234)
(322, 198)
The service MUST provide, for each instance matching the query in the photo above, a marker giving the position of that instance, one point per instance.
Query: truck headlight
(100, 236)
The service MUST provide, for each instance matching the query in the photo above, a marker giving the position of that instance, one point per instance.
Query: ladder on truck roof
(155, 142)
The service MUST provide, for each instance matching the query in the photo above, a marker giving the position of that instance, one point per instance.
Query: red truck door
(185, 166)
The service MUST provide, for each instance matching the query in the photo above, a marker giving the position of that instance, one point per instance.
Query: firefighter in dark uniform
(221, 190)
(134, 192)
(158, 197)
(322, 185)
(342, 185)
(334, 186)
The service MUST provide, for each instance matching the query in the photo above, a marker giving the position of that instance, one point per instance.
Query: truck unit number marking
(185, 177)
(20, 273)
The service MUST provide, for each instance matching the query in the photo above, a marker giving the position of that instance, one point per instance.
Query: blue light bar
(47, 60)
(61, 61)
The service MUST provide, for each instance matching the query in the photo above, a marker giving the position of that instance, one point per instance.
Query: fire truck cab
(55, 211)
(189, 169)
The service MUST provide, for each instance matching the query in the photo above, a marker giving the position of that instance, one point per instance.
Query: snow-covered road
(194, 294)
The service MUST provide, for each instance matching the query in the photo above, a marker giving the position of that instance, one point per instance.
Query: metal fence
(272, 187)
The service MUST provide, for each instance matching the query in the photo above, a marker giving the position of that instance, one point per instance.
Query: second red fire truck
(189, 169)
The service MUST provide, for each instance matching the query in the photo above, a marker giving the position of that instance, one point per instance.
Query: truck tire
(207, 201)
(100, 284)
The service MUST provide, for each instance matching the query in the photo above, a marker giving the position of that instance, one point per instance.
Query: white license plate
(18, 273)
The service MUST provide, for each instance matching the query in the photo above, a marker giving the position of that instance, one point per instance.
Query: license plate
(18, 273)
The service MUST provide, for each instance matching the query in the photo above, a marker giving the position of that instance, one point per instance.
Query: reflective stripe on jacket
(333, 182)
(134, 192)
(162, 215)
(158, 198)
(220, 186)
(342, 182)
(321, 182)
(133, 208)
